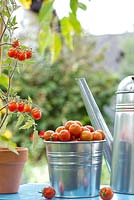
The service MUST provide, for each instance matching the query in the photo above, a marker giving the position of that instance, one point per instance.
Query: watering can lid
(126, 85)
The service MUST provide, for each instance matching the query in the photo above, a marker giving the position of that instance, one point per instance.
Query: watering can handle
(96, 119)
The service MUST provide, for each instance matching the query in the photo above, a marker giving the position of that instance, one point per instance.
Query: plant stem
(3, 107)
(2, 31)
(6, 43)
(7, 95)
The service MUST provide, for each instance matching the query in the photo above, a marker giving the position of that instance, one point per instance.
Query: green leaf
(67, 31)
(28, 124)
(46, 11)
(56, 47)
(75, 23)
(6, 143)
(20, 119)
(36, 139)
(44, 39)
(69, 41)
(2, 94)
(30, 100)
(66, 26)
(74, 6)
(4, 126)
(82, 6)
(4, 80)
(12, 146)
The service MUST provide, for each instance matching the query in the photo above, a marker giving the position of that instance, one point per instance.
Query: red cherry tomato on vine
(36, 113)
(48, 192)
(41, 134)
(11, 52)
(12, 106)
(28, 54)
(21, 107)
(21, 56)
(16, 43)
(106, 193)
(27, 108)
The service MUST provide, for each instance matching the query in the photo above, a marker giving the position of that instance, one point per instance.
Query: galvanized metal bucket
(75, 167)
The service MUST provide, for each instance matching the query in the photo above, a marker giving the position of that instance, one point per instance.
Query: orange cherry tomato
(47, 135)
(27, 108)
(75, 129)
(54, 136)
(78, 122)
(86, 136)
(97, 135)
(59, 128)
(102, 133)
(106, 193)
(64, 135)
(68, 123)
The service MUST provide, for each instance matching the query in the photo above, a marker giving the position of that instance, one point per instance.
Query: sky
(103, 16)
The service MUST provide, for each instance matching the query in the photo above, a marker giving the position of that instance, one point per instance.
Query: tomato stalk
(7, 95)
(3, 27)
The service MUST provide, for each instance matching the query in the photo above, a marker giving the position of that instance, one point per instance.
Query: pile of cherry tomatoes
(73, 130)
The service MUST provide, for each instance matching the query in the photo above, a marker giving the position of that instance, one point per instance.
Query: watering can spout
(96, 119)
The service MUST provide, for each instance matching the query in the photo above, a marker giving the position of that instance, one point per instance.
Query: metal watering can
(119, 148)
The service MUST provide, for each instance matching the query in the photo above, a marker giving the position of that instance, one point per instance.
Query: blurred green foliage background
(54, 88)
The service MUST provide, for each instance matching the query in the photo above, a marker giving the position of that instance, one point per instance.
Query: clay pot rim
(19, 149)
(7, 156)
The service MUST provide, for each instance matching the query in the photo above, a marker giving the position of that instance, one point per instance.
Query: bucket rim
(74, 142)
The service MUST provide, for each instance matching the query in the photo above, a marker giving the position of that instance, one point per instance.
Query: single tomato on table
(48, 192)
(106, 193)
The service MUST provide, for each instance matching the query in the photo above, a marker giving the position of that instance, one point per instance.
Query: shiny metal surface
(75, 167)
(122, 176)
(118, 152)
(96, 118)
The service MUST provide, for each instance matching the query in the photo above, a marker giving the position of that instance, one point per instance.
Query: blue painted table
(31, 191)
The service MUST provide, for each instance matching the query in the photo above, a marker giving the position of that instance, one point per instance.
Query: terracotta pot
(11, 168)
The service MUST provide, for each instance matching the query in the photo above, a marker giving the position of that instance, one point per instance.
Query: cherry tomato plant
(12, 55)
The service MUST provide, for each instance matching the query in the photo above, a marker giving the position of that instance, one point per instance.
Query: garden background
(63, 52)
